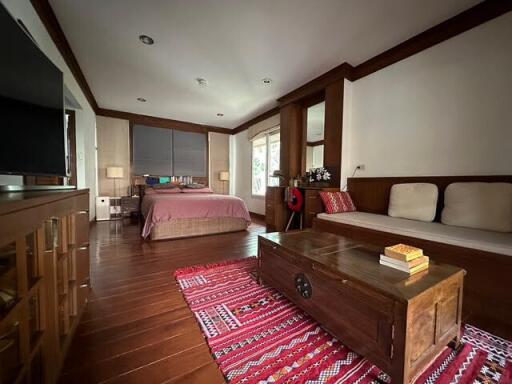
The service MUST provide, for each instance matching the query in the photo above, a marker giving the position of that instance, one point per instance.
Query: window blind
(168, 152)
(189, 153)
(152, 151)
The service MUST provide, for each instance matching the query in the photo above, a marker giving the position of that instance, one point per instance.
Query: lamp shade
(224, 176)
(115, 172)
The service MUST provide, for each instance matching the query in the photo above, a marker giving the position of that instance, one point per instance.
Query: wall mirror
(315, 136)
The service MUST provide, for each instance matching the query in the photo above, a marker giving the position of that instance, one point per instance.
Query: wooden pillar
(291, 141)
(333, 129)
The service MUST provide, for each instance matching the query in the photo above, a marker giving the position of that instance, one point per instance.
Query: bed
(176, 214)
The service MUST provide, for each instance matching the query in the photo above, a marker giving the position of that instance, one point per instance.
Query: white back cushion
(479, 205)
(415, 201)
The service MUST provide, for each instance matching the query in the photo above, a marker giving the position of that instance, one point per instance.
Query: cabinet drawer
(82, 264)
(81, 228)
(345, 310)
(269, 214)
(82, 295)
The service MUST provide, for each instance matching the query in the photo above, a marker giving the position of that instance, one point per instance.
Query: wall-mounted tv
(33, 140)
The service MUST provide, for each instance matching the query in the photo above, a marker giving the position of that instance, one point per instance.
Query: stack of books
(404, 258)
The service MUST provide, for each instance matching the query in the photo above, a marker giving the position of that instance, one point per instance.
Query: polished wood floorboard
(137, 327)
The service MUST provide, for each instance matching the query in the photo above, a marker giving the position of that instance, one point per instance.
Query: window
(265, 160)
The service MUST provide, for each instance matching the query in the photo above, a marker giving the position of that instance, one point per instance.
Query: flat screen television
(33, 139)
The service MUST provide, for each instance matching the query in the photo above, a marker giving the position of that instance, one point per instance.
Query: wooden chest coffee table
(399, 322)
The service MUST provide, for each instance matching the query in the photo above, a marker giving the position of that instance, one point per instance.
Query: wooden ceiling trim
(464, 21)
(161, 122)
(318, 84)
(470, 18)
(255, 120)
(50, 22)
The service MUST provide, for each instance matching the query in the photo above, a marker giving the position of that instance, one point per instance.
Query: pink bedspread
(158, 208)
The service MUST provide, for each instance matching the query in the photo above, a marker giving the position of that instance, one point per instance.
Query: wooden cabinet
(44, 280)
(276, 211)
(313, 204)
(399, 323)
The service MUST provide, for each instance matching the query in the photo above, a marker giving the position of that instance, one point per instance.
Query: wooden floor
(137, 328)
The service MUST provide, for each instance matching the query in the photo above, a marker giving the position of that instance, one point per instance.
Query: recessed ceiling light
(141, 99)
(146, 39)
(267, 81)
(220, 114)
(202, 82)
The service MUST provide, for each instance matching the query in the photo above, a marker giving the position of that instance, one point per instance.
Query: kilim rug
(257, 336)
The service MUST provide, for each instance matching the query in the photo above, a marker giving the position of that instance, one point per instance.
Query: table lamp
(115, 173)
(223, 176)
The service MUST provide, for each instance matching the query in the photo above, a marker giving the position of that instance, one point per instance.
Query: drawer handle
(274, 247)
(344, 281)
(84, 285)
(83, 248)
(303, 286)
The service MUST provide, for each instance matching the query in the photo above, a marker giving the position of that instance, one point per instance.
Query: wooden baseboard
(257, 215)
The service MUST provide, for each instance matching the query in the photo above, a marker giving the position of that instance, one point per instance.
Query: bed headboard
(371, 194)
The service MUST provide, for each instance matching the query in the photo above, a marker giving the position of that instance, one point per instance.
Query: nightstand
(130, 207)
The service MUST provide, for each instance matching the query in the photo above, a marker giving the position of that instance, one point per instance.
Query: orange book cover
(403, 252)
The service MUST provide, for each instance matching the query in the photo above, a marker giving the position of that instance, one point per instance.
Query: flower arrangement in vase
(319, 176)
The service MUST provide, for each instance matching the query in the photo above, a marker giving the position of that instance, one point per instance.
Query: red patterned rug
(257, 336)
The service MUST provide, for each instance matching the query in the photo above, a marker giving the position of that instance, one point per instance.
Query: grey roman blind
(189, 153)
(152, 151)
(168, 152)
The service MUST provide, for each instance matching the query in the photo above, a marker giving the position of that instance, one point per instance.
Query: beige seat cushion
(479, 205)
(495, 242)
(415, 201)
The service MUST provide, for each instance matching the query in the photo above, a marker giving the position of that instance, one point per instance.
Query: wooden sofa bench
(487, 299)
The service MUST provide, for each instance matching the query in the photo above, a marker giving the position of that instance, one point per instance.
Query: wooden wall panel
(333, 129)
(291, 140)
(371, 194)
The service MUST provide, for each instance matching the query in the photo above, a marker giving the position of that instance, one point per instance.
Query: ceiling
(233, 44)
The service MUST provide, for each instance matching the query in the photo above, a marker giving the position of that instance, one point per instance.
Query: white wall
(444, 111)
(241, 165)
(85, 118)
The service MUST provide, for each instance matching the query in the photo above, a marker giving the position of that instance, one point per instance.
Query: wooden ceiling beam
(50, 22)
(161, 122)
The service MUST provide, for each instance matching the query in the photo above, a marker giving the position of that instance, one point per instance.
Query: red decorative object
(337, 202)
(257, 336)
(296, 200)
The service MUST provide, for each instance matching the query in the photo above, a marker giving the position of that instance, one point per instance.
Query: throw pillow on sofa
(479, 205)
(337, 202)
(415, 201)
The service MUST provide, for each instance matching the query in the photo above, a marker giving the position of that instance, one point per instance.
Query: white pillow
(479, 205)
(415, 201)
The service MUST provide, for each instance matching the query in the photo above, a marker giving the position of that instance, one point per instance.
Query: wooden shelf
(7, 318)
(38, 255)
(23, 370)
(5, 271)
(36, 344)
(34, 285)
(62, 298)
